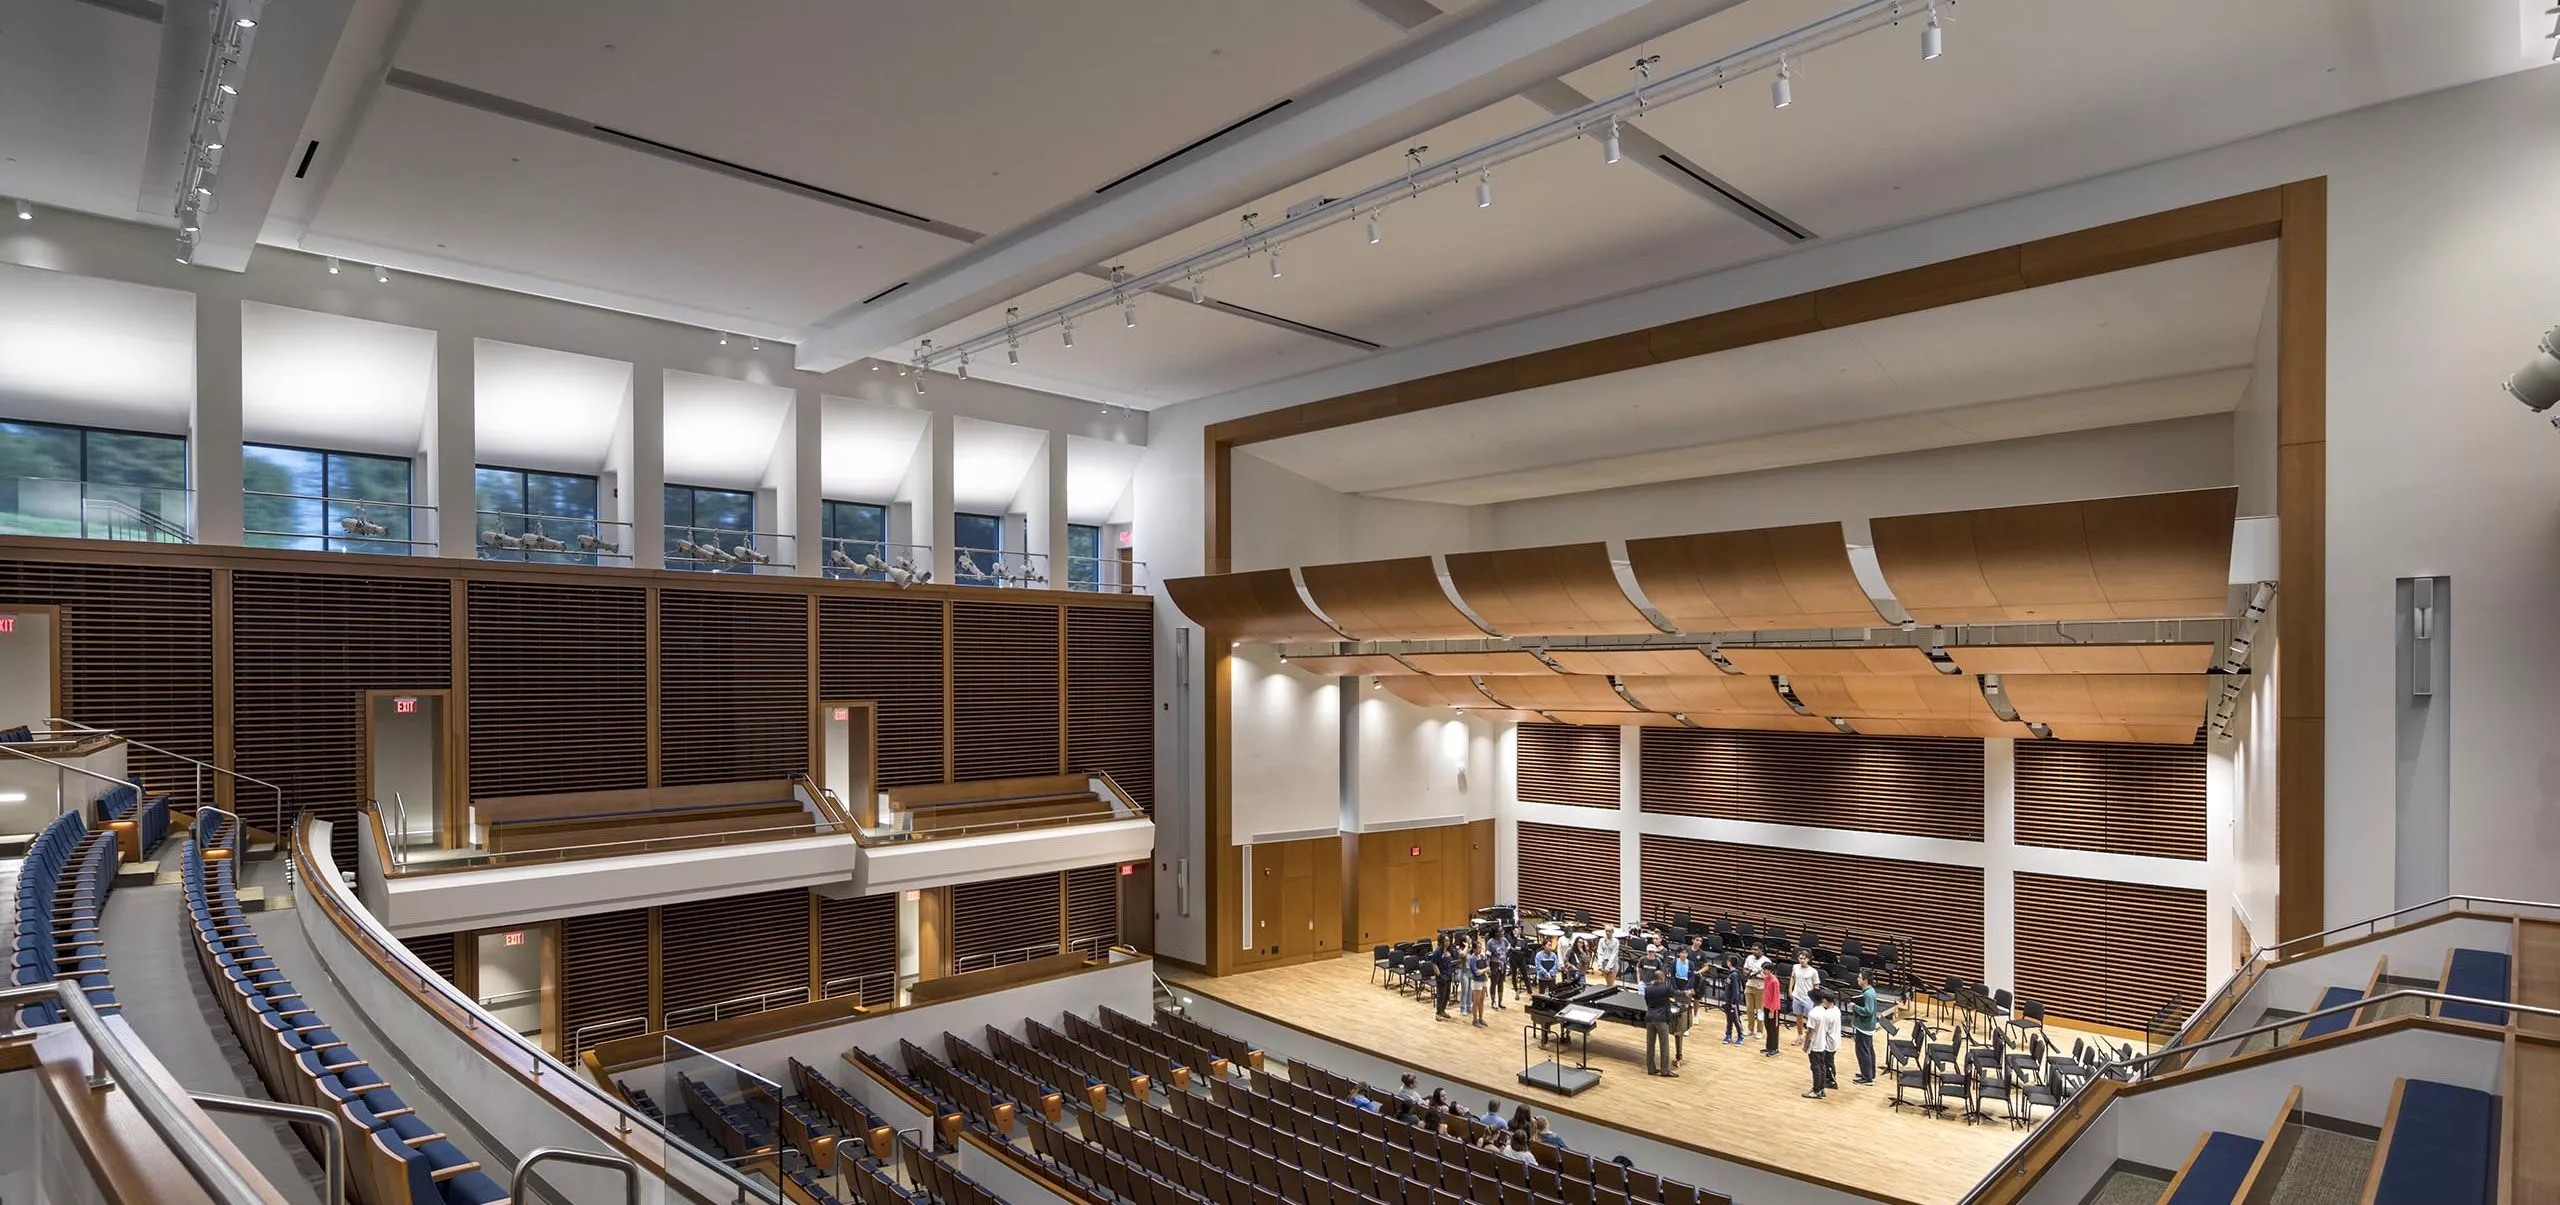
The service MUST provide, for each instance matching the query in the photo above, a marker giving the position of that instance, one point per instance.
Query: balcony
(87, 510)
(930, 836)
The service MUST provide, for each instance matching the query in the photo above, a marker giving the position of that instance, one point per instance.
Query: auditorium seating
(394, 1156)
(140, 822)
(1011, 802)
(19, 735)
(62, 887)
(2482, 975)
(2439, 1146)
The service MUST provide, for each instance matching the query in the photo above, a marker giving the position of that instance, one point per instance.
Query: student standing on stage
(1735, 984)
(1479, 967)
(1444, 971)
(1498, 952)
(1806, 977)
(1822, 1043)
(1609, 956)
(1543, 967)
(1769, 1009)
(1862, 1028)
(1462, 967)
(1752, 965)
(1657, 1026)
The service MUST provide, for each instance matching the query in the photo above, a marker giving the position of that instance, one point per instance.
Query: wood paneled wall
(1577, 767)
(1111, 698)
(892, 650)
(2114, 953)
(1569, 868)
(733, 686)
(1915, 786)
(436, 950)
(137, 655)
(2147, 800)
(1007, 709)
(605, 972)
(732, 947)
(1933, 910)
(559, 697)
(999, 918)
(1093, 905)
(858, 939)
(1297, 908)
(1412, 883)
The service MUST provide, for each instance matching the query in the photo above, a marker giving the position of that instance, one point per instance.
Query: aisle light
(381, 275)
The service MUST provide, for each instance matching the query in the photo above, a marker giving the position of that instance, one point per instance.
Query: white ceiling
(327, 381)
(1098, 476)
(866, 449)
(989, 463)
(76, 349)
(722, 433)
(75, 104)
(2162, 341)
(534, 408)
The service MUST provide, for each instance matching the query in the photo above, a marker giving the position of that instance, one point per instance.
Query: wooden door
(1297, 914)
(1267, 892)
(1428, 899)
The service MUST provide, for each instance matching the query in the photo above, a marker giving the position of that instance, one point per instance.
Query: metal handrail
(200, 764)
(718, 1007)
(578, 1036)
(193, 1148)
(974, 827)
(998, 958)
(827, 990)
(11, 748)
(524, 1170)
(333, 1141)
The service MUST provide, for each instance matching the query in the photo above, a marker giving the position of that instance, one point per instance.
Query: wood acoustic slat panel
(433, 949)
(2153, 556)
(1498, 664)
(2109, 952)
(604, 977)
(2084, 658)
(1004, 920)
(1398, 599)
(305, 647)
(1766, 578)
(1262, 605)
(1111, 698)
(858, 947)
(1565, 692)
(889, 651)
(1915, 787)
(1569, 869)
(722, 951)
(1566, 590)
(1577, 767)
(1093, 906)
(1636, 662)
(137, 657)
(559, 688)
(1004, 690)
(1933, 911)
(733, 686)
(2145, 800)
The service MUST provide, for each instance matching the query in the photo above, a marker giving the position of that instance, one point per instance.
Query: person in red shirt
(1770, 1001)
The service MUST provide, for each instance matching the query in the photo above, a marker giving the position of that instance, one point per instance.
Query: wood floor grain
(1730, 1102)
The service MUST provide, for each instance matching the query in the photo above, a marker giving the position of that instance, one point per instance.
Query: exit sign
(409, 706)
(843, 714)
(1413, 851)
(8, 624)
(1127, 869)
(515, 937)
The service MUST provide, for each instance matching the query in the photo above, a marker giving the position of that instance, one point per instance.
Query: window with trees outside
(325, 501)
(853, 531)
(528, 515)
(59, 480)
(1084, 557)
(706, 527)
(980, 538)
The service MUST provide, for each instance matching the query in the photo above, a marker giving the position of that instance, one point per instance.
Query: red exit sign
(8, 624)
(1127, 869)
(1414, 851)
(843, 714)
(410, 707)
(515, 938)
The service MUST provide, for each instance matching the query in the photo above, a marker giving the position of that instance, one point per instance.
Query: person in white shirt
(1751, 975)
(1822, 1042)
(1802, 980)
(1609, 955)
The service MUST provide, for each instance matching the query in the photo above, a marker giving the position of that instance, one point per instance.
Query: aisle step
(2129, 1184)
(2319, 1162)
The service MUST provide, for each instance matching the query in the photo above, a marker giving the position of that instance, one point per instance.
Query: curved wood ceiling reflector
(1261, 605)
(1770, 577)
(1350, 666)
(1858, 697)
(1724, 694)
(2084, 658)
(1498, 663)
(1435, 692)
(1682, 662)
(1963, 729)
(1397, 599)
(1564, 590)
(1898, 661)
(2124, 734)
(2168, 702)
(2153, 556)
(1558, 692)
(1615, 719)
(1785, 722)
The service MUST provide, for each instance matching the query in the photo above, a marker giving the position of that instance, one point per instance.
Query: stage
(1729, 1102)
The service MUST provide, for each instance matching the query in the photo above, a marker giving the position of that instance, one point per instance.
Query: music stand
(1552, 1074)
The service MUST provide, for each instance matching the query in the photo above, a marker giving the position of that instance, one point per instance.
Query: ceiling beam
(1442, 71)
(278, 86)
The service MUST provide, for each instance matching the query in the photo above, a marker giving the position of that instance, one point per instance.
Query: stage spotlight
(333, 265)
(1609, 144)
(1782, 91)
(381, 275)
(2537, 384)
(26, 212)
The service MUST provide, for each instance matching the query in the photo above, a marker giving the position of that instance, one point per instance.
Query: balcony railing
(362, 525)
(879, 561)
(555, 539)
(995, 567)
(86, 510)
(721, 550)
(1106, 575)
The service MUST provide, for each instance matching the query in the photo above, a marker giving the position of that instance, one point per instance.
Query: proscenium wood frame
(2294, 215)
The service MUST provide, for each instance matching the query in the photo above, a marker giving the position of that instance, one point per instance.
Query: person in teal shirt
(1862, 1028)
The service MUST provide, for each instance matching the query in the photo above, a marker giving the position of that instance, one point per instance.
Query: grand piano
(1559, 1018)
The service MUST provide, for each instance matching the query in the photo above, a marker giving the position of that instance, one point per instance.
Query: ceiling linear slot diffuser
(885, 292)
(1196, 144)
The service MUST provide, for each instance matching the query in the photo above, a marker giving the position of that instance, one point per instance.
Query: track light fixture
(1066, 332)
(1275, 261)
(381, 275)
(1012, 344)
(1197, 297)
(1933, 40)
(1484, 188)
(1609, 143)
(333, 265)
(2537, 384)
(924, 350)
(1373, 228)
(1782, 90)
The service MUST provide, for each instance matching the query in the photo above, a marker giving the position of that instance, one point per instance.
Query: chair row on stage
(1936, 1070)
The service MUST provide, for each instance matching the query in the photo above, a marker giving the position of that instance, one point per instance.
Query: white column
(936, 520)
(807, 503)
(457, 453)
(1999, 863)
(648, 484)
(1054, 539)
(2222, 861)
(1630, 825)
(213, 438)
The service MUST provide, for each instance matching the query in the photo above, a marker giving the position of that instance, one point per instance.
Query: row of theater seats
(62, 887)
(140, 822)
(395, 1156)
(17, 736)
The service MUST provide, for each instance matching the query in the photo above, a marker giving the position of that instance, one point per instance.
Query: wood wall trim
(2294, 214)
(650, 643)
(224, 687)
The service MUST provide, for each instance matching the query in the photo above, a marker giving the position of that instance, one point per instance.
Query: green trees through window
(705, 527)
(853, 531)
(524, 513)
(58, 480)
(316, 500)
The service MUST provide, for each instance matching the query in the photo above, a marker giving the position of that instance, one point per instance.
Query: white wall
(1419, 763)
(2247, 761)
(26, 670)
(1288, 748)
(1282, 519)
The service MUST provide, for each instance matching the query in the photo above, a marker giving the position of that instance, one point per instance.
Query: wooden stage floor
(1730, 1102)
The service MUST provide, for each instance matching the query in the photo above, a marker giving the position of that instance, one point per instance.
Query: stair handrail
(135, 514)
(201, 765)
(2123, 1069)
(11, 749)
(524, 1170)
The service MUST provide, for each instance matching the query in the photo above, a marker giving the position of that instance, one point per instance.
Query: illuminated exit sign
(8, 624)
(843, 714)
(408, 706)
(515, 938)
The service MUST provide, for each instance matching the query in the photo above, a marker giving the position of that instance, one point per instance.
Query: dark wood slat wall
(720, 950)
(305, 648)
(1569, 868)
(1574, 766)
(1915, 786)
(559, 688)
(137, 656)
(2146, 800)
(858, 939)
(2114, 953)
(1111, 698)
(1004, 668)
(1000, 918)
(1934, 910)
(604, 976)
(1093, 906)
(889, 650)
(433, 949)
(733, 683)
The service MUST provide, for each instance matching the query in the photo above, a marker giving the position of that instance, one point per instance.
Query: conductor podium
(1556, 1020)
